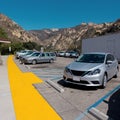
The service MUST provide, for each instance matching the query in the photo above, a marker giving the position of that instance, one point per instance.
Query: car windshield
(29, 52)
(91, 58)
(23, 51)
(35, 54)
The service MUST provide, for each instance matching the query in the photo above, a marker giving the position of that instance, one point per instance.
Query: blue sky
(40, 14)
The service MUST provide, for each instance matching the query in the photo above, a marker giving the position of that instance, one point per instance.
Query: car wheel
(104, 81)
(21, 62)
(34, 62)
(51, 61)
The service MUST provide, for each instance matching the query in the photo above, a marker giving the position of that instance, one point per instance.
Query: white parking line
(56, 78)
(48, 74)
(55, 71)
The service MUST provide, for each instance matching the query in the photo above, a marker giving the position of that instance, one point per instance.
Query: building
(107, 43)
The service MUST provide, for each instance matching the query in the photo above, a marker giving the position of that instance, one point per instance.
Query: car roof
(104, 53)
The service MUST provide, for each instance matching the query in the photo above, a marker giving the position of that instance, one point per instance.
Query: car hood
(79, 66)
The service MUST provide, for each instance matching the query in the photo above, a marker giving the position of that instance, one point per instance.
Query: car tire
(51, 61)
(104, 81)
(34, 62)
(21, 62)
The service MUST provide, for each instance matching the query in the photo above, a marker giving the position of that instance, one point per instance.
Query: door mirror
(75, 59)
(109, 62)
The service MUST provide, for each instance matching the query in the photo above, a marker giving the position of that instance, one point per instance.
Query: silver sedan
(92, 69)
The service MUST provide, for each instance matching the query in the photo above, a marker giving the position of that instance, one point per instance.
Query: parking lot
(73, 102)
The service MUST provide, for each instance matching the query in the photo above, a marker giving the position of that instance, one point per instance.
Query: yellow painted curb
(28, 103)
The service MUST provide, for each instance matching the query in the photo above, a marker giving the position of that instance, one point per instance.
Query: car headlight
(67, 69)
(94, 72)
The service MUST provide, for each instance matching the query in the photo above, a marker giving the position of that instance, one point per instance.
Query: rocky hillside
(70, 38)
(14, 32)
(44, 34)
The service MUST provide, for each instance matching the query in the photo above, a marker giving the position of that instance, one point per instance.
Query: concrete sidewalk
(6, 105)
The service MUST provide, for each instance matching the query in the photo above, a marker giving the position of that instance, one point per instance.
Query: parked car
(72, 54)
(67, 54)
(19, 53)
(22, 57)
(38, 57)
(92, 69)
(52, 55)
(61, 54)
(28, 53)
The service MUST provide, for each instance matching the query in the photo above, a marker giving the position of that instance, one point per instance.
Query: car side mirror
(75, 60)
(109, 62)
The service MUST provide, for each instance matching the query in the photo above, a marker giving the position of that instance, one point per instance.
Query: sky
(43, 14)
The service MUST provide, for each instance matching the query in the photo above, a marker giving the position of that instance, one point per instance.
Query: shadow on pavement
(114, 106)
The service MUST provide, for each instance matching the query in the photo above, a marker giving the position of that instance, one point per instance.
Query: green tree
(4, 48)
(17, 46)
(29, 45)
(3, 34)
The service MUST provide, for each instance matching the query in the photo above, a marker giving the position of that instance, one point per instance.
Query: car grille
(77, 73)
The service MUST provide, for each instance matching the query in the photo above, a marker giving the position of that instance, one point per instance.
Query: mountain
(44, 34)
(56, 39)
(14, 32)
(70, 38)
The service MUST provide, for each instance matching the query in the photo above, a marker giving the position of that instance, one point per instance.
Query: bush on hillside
(17, 46)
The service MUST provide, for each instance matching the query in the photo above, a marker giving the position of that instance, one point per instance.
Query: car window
(52, 54)
(35, 54)
(110, 57)
(91, 58)
(42, 55)
(47, 54)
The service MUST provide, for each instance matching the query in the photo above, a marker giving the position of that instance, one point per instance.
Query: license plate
(76, 78)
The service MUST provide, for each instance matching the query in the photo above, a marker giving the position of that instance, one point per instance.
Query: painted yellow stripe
(28, 103)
